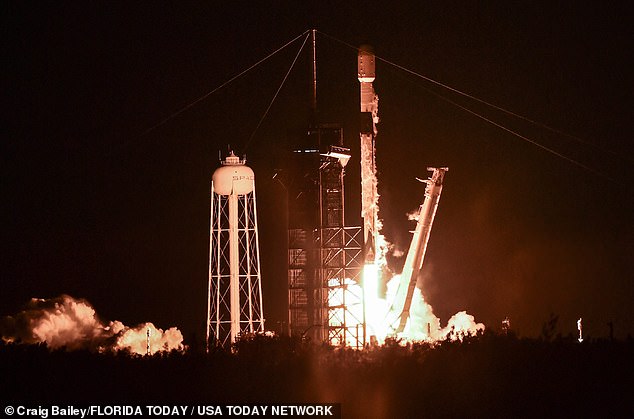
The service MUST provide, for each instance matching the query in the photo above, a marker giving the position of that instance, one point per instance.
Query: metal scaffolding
(342, 257)
(325, 256)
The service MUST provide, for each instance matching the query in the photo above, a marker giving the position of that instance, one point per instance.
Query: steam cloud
(423, 323)
(66, 322)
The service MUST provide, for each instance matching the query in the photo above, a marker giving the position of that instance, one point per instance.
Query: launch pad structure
(327, 259)
(324, 254)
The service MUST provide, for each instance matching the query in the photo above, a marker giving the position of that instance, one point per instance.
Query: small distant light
(580, 328)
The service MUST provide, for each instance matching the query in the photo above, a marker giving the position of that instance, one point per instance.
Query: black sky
(94, 208)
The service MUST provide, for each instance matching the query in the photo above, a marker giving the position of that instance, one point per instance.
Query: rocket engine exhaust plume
(66, 322)
(421, 324)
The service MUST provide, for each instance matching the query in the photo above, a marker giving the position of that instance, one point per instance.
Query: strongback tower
(400, 309)
(234, 304)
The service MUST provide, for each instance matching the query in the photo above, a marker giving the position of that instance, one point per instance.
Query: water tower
(234, 304)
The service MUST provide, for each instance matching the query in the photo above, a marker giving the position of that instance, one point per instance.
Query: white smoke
(460, 325)
(398, 253)
(422, 325)
(136, 339)
(413, 214)
(66, 322)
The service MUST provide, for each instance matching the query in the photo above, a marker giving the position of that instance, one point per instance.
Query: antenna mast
(313, 103)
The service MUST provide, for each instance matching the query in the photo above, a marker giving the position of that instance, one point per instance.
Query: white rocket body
(369, 110)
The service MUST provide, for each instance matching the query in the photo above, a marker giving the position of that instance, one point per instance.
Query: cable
(523, 137)
(178, 112)
(535, 143)
(506, 111)
(276, 93)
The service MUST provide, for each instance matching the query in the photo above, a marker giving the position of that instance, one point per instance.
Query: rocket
(369, 119)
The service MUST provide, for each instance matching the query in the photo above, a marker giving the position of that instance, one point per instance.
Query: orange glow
(375, 307)
(346, 309)
(66, 322)
(135, 339)
(422, 325)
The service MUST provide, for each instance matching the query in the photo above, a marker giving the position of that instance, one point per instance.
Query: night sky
(96, 208)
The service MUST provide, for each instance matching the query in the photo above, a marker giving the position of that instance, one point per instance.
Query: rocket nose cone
(366, 64)
(366, 49)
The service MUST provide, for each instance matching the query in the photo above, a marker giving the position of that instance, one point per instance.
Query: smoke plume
(66, 322)
(423, 323)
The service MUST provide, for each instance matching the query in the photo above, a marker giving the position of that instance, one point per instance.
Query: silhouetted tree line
(489, 375)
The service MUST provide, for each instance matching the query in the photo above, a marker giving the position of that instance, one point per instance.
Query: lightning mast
(415, 256)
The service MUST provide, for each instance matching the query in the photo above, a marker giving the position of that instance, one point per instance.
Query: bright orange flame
(375, 307)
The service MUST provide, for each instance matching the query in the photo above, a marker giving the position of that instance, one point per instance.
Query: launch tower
(324, 254)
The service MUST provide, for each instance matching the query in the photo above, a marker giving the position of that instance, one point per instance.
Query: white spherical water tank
(234, 256)
(233, 177)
